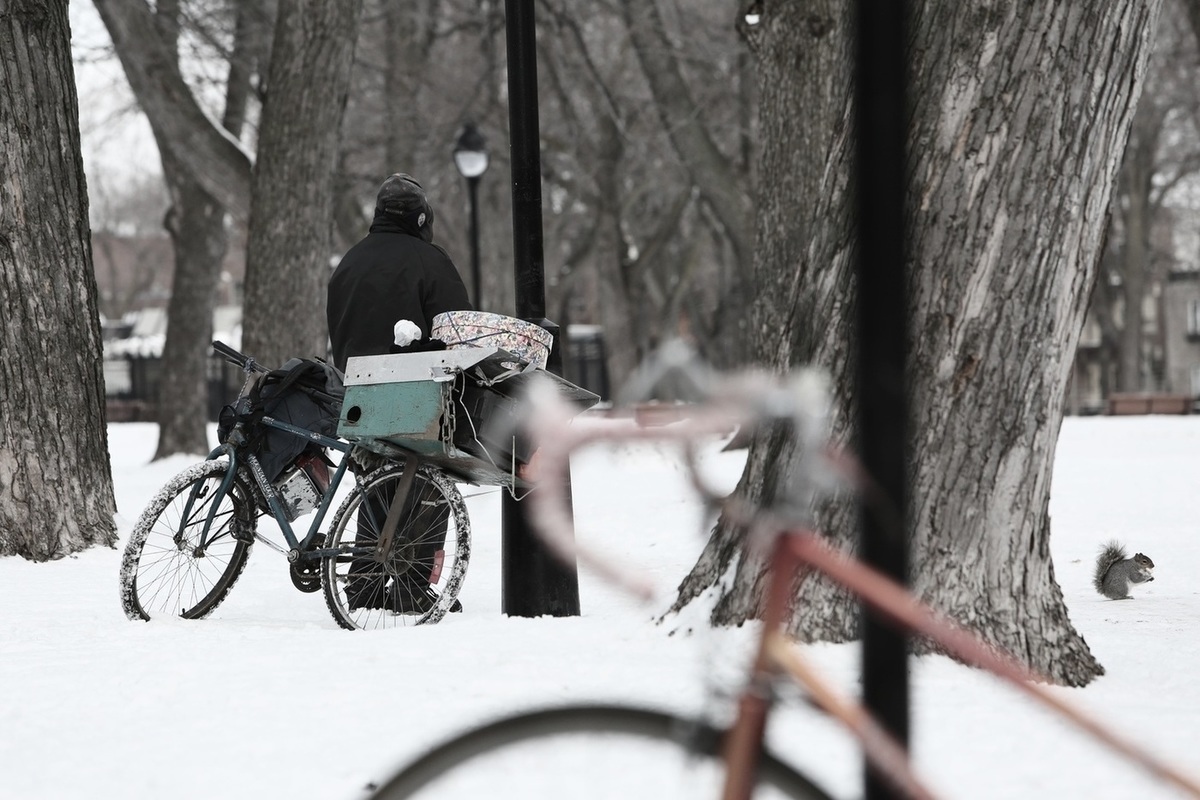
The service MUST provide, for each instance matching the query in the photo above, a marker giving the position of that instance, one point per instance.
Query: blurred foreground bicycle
(642, 753)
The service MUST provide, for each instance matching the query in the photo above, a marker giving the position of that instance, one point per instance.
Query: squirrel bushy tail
(1111, 553)
(1115, 571)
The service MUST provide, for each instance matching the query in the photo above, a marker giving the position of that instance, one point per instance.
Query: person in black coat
(395, 273)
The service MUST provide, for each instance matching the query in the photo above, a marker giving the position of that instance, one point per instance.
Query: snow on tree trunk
(1020, 115)
(291, 219)
(56, 495)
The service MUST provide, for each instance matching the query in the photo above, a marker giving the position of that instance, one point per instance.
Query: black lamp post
(880, 178)
(535, 582)
(471, 159)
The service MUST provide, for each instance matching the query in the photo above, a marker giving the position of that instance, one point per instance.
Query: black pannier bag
(304, 392)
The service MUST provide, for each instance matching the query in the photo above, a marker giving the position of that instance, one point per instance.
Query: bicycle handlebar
(247, 363)
(750, 399)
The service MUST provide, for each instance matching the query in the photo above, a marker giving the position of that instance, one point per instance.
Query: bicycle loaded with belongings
(397, 548)
(192, 541)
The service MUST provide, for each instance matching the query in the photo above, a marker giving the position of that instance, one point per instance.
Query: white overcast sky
(117, 143)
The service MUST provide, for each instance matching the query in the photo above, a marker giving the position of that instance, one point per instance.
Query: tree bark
(1019, 118)
(56, 493)
(802, 269)
(289, 248)
(411, 28)
(196, 223)
(1015, 164)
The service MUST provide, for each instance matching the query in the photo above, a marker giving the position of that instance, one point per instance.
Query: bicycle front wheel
(586, 752)
(417, 580)
(166, 569)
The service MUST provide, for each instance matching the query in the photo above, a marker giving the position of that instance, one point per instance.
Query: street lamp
(535, 582)
(471, 159)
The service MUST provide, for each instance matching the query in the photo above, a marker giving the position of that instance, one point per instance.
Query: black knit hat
(402, 198)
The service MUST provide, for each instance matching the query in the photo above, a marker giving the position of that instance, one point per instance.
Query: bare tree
(193, 151)
(56, 492)
(629, 233)
(296, 152)
(650, 224)
(1019, 118)
(197, 224)
(290, 241)
(179, 121)
(393, 100)
(1160, 155)
(716, 174)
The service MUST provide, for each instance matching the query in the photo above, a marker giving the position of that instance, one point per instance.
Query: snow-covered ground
(268, 698)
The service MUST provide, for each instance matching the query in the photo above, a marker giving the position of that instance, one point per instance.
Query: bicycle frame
(795, 554)
(798, 551)
(792, 555)
(777, 656)
(299, 548)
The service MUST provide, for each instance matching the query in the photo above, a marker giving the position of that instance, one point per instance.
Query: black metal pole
(534, 582)
(473, 192)
(881, 130)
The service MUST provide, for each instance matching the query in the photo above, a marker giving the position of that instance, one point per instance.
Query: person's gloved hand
(406, 332)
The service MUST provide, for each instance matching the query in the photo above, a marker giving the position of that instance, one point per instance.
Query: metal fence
(131, 387)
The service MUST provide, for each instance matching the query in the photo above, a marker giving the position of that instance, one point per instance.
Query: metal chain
(449, 421)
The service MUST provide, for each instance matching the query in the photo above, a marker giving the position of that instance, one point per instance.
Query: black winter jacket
(390, 275)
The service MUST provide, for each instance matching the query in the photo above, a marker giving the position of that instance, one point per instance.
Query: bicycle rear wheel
(417, 582)
(584, 752)
(164, 571)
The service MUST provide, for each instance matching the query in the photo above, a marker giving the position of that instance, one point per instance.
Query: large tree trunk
(56, 493)
(289, 248)
(1015, 175)
(802, 269)
(1019, 118)
(196, 223)
(207, 175)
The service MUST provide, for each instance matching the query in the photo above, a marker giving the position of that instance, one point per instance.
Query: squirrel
(1114, 572)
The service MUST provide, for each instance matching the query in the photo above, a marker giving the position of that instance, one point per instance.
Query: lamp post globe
(471, 160)
(470, 152)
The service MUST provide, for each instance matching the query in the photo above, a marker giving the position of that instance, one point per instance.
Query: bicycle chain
(449, 421)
